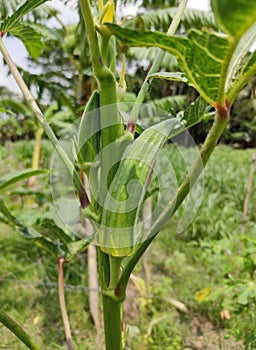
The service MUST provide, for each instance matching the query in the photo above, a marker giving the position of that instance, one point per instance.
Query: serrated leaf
(30, 38)
(51, 247)
(196, 111)
(11, 21)
(55, 231)
(57, 248)
(27, 232)
(169, 61)
(46, 32)
(15, 177)
(234, 17)
(160, 19)
(202, 56)
(77, 247)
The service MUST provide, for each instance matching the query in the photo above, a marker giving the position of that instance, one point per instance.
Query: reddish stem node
(223, 110)
(118, 291)
(83, 197)
(131, 127)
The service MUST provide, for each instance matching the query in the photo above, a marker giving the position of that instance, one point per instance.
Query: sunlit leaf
(11, 21)
(201, 56)
(30, 38)
(234, 17)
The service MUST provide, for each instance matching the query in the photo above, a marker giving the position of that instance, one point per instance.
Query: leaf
(160, 19)
(46, 32)
(55, 231)
(234, 18)
(150, 115)
(196, 111)
(247, 71)
(140, 54)
(77, 247)
(238, 57)
(30, 38)
(13, 178)
(170, 103)
(12, 21)
(55, 248)
(16, 106)
(51, 247)
(173, 76)
(119, 232)
(202, 56)
(27, 232)
(208, 59)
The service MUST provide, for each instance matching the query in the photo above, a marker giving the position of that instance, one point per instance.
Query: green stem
(114, 264)
(112, 311)
(111, 125)
(63, 307)
(211, 141)
(40, 117)
(92, 36)
(18, 331)
(156, 64)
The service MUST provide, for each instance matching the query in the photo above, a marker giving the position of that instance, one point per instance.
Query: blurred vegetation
(200, 267)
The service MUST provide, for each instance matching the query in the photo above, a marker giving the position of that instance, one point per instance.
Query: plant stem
(114, 264)
(63, 307)
(112, 311)
(18, 331)
(211, 141)
(111, 125)
(156, 64)
(40, 117)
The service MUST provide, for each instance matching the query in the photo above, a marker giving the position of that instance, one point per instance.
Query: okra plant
(114, 154)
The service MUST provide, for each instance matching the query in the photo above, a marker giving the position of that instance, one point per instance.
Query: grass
(203, 257)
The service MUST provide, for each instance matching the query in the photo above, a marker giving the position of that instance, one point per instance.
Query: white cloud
(199, 4)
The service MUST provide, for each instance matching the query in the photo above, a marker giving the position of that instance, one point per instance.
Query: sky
(19, 54)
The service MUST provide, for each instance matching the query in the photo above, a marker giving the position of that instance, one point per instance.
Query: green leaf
(196, 112)
(142, 53)
(247, 71)
(51, 247)
(238, 58)
(77, 247)
(173, 76)
(55, 231)
(55, 248)
(234, 17)
(12, 21)
(160, 19)
(30, 38)
(27, 232)
(15, 177)
(119, 232)
(202, 56)
(16, 106)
